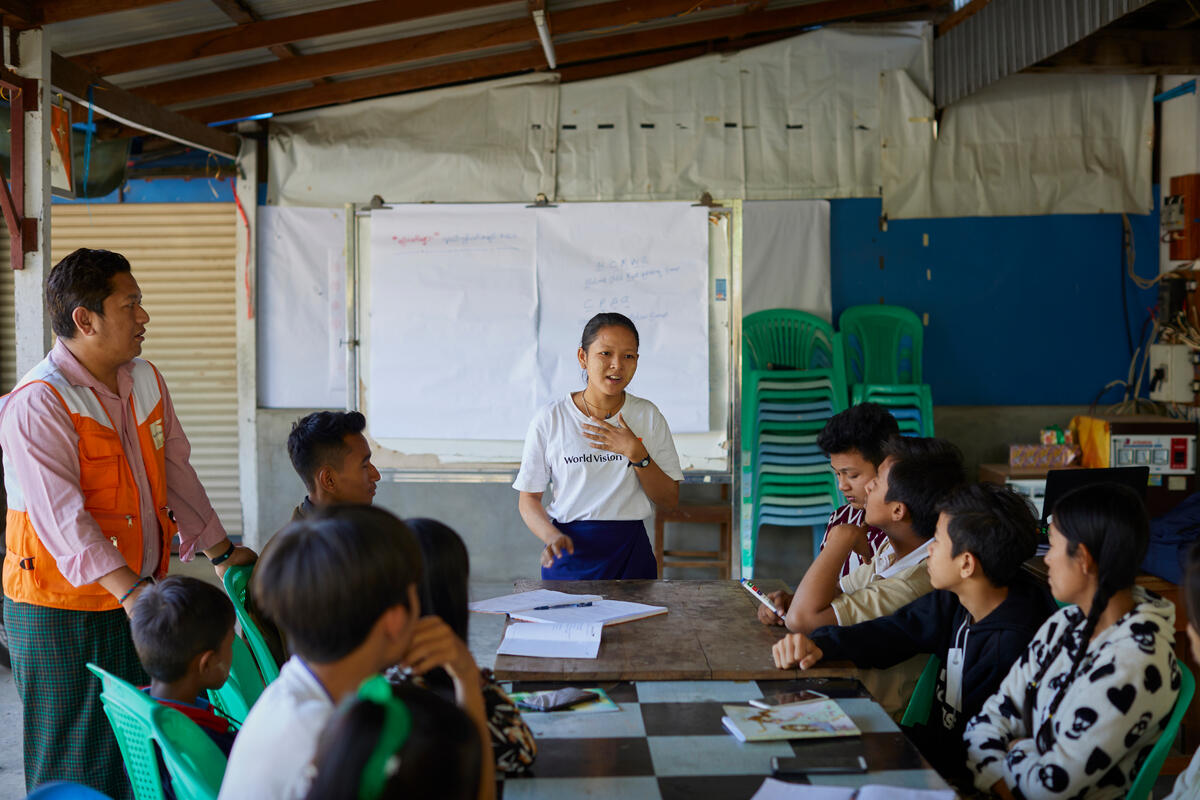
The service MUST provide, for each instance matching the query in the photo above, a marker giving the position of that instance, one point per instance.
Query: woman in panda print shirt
(1080, 710)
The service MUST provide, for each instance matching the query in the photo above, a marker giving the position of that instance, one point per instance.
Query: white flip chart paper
(454, 344)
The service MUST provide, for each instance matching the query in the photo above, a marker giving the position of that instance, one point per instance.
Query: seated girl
(1187, 786)
(1079, 711)
(398, 742)
(444, 593)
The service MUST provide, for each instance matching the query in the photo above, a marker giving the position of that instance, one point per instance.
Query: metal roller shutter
(184, 258)
(8, 322)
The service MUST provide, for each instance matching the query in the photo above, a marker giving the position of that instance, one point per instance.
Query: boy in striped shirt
(854, 441)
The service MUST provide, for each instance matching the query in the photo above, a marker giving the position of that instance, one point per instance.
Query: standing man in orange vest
(97, 473)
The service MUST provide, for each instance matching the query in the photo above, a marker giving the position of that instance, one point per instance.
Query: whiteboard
(698, 351)
(475, 311)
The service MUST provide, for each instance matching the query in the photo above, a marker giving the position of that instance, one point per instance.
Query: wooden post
(246, 208)
(32, 321)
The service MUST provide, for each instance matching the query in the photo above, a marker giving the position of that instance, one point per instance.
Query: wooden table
(710, 632)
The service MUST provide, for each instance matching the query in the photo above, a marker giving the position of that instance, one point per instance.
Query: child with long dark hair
(1080, 710)
(1187, 786)
(397, 742)
(443, 592)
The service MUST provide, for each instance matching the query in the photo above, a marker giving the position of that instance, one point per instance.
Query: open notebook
(773, 789)
(813, 720)
(602, 612)
(551, 641)
(523, 601)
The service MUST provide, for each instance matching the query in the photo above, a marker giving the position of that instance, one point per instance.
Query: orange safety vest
(109, 491)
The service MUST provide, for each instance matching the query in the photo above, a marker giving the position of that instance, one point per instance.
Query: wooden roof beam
(531, 58)
(1129, 51)
(119, 105)
(47, 12)
(515, 31)
(267, 33)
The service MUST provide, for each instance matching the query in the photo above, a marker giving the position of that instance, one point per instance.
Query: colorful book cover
(813, 720)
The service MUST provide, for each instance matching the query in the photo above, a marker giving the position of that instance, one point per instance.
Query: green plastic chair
(883, 344)
(919, 705)
(235, 581)
(235, 699)
(786, 338)
(195, 764)
(1143, 784)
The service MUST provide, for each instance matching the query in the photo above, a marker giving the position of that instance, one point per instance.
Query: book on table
(551, 641)
(812, 720)
(773, 789)
(602, 612)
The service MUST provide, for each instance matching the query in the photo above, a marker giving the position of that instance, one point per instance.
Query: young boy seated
(902, 500)
(854, 441)
(342, 584)
(183, 631)
(980, 617)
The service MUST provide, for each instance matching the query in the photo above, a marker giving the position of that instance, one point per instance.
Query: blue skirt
(604, 550)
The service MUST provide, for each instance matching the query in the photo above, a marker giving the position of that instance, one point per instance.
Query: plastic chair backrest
(917, 712)
(1148, 774)
(65, 790)
(785, 338)
(235, 580)
(235, 699)
(883, 344)
(139, 722)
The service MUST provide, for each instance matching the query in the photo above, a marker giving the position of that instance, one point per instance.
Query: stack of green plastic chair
(195, 764)
(235, 580)
(882, 346)
(1144, 782)
(235, 699)
(792, 383)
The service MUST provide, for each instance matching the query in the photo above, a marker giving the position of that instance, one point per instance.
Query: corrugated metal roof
(1006, 36)
(123, 28)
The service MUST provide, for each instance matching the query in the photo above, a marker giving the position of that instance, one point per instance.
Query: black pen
(563, 605)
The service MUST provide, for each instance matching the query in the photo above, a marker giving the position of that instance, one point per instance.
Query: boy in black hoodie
(980, 617)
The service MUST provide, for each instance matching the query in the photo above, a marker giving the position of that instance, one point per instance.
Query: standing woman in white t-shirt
(609, 455)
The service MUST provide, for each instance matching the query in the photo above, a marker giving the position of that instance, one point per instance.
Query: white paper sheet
(522, 601)
(454, 339)
(301, 307)
(773, 789)
(601, 612)
(551, 641)
(785, 256)
(648, 261)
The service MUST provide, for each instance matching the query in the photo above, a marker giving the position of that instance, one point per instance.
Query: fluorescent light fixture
(539, 20)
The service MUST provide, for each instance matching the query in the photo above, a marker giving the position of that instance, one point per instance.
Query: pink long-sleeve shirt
(42, 447)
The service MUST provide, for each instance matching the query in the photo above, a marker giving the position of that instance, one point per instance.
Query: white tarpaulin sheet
(483, 142)
(1028, 144)
(301, 307)
(475, 311)
(785, 256)
(648, 261)
(812, 108)
(453, 350)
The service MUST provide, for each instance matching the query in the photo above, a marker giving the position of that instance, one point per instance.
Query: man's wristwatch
(645, 462)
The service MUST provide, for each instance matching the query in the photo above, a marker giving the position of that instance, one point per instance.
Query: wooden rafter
(237, 11)
(962, 15)
(267, 33)
(1129, 51)
(531, 58)
(117, 104)
(46, 12)
(515, 31)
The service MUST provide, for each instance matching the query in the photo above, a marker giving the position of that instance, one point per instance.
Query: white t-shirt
(591, 484)
(272, 752)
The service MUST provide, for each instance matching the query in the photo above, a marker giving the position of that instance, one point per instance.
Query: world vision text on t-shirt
(592, 484)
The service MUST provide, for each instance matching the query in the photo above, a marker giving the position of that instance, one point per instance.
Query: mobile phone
(807, 765)
(788, 698)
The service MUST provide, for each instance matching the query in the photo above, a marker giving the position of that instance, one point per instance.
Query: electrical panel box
(1185, 240)
(1164, 444)
(1171, 373)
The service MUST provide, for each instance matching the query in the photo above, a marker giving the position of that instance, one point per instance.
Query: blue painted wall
(1022, 310)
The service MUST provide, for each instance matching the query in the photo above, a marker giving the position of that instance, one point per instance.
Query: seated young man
(342, 584)
(854, 441)
(331, 455)
(182, 630)
(980, 617)
(902, 500)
